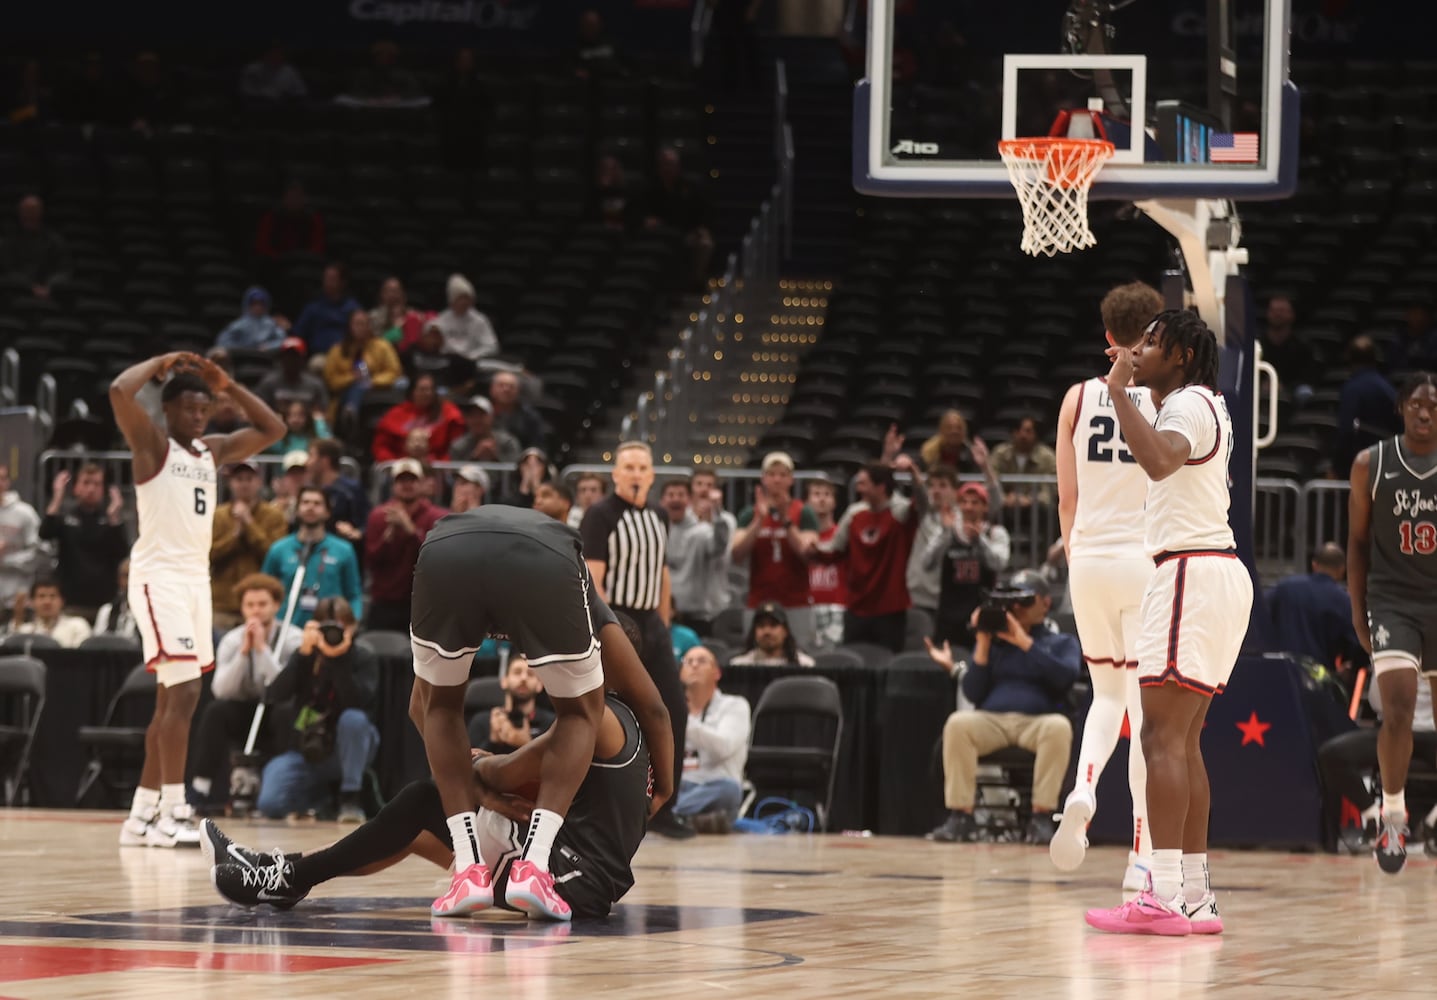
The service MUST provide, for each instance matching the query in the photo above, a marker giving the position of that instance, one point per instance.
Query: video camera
(998, 602)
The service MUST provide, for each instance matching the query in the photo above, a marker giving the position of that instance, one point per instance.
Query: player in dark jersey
(533, 588)
(1392, 577)
(592, 851)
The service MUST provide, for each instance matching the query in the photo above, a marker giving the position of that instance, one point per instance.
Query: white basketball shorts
(1107, 596)
(176, 627)
(1195, 615)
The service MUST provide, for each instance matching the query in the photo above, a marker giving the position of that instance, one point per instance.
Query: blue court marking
(366, 923)
(728, 870)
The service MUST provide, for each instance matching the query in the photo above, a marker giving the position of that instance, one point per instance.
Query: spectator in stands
(116, 617)
(697, 553)
(328, 319)
(416, 447)
(248, 659)
(1281, 346)
(423, 409)
(358, 363)
(41, 612)
(19, 540)
(706, 479)
(678, 201)
(1024, 455)
(303, 426)
(521, 718)
(774, 536)
(150, 102)
(290, 380)
(393, 320)
(384, 83)
(951, 447)
(769, 642)
(534, 470)
(924, 583)
(244, 530)
(970, 554)
(874, 538)
(428, 356)
(554, 499)
(589, 489)
(471, 483)
(33, 253)
(612, 205)
(272, 77)
(395, 531)
(1312, 612)
(481, 442)
(512, 414)
(826, 581)
(255, 329)
(595, 57)
(461, 105)
(1366, 407)
(286, 487)
(467, 332)
(716, 746)
(89, 536)
(330, 566)
(1019, 679)
(1417, 340)
(291, 226)
(330, 685)
(348, 505)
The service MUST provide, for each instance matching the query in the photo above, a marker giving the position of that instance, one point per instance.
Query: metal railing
(696, 366)
(9, 377)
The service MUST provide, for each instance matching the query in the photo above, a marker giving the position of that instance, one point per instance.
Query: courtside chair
(790, 745)
(22, 693)
(111, 745)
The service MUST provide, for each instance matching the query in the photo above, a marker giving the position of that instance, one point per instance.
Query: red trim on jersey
(1099, 661)
(1172, 674)
(1176, 621)
(1163, 557)
(160, 643)
(1078, 411)
(1217, 435)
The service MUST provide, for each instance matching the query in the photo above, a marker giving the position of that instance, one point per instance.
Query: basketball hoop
(1052, 175)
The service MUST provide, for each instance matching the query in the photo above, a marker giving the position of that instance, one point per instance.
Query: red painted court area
(20, 962)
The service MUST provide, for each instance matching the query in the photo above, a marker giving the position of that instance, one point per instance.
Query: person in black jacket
(89, 537)
(329, 684)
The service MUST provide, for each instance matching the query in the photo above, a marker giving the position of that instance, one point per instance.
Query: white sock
(1394, 805)
(1143, 861)
(171, 796)
(543, 826)
(464, 831)
(1167, 874)
(202, 786)
(145, 805)
(1195, 877)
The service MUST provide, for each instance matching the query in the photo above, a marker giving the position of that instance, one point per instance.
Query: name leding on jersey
(1105, 401)
(199, 473)
(1412, 502)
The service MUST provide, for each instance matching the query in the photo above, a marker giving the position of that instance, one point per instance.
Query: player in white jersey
(1195, 612)
(175, 493)
(1101, 490)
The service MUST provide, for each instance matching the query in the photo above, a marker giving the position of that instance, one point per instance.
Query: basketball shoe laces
(268, 878)
(1394, 836)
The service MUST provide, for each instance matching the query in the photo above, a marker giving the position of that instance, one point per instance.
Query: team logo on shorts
(1380, 637)
(187, 643)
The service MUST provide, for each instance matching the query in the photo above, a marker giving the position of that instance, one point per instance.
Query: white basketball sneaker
(1070, 843)
(1135, 879)
(178, 829)
(134, 832)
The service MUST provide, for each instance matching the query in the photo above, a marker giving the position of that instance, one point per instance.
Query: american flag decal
(1233, 147)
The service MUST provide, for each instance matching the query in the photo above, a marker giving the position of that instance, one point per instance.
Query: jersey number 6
(200, 505)
(1099, 447)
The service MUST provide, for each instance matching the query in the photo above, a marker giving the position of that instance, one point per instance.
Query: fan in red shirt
(392, 537)
(873, 540)
(826, 580)
(773, 536)
(424, 409)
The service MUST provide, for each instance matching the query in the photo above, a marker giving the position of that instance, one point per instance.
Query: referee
(624, 545)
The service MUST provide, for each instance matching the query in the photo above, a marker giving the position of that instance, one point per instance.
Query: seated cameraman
(521, 718)
(1018, 677)
(330, 682)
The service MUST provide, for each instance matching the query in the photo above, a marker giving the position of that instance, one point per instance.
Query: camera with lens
(332, 633)
(998, 602)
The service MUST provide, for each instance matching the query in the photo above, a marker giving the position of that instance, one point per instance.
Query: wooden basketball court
(740, 916)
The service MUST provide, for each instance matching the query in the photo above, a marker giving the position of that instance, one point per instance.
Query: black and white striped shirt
(631, 542)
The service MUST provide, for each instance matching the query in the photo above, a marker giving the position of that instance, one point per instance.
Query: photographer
(331, 683)
(1020, 673)
(506, 729)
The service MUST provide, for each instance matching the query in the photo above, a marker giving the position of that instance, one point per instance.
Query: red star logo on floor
(1253, 729)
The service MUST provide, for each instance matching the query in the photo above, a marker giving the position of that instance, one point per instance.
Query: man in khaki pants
(1018, 678)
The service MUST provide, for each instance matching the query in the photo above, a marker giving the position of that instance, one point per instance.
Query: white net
(1052, 178)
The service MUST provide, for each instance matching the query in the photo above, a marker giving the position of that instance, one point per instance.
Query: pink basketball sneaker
(471, 891)
(1144, 915)
(532, 890)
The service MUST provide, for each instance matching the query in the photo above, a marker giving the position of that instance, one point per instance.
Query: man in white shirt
(716, 748)
(19, 540)
(46, 602)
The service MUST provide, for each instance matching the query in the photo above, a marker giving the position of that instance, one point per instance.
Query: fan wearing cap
(769, 642)
(772, 537)
(392, 538)
(286, 486)
(245, 528)
(255, 329)
(291, 380)
(423, 409)
(481, 440)
(968, 553)
(467, 332)
(471, 485)
(534, 470)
